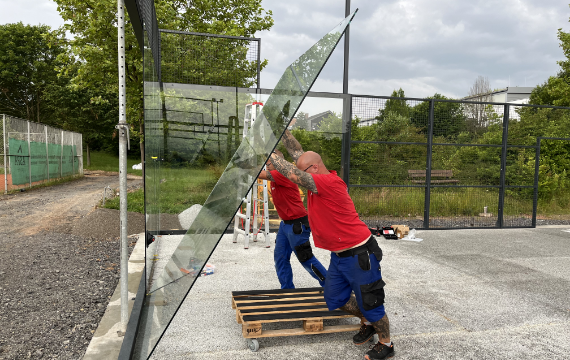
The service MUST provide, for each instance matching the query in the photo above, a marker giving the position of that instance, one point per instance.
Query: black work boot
(380, 351)
(365, 333)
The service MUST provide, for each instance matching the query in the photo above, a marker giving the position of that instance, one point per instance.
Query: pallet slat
(294, 316)
(276, 291)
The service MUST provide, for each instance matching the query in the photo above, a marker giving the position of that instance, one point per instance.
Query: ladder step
(241, 216)
(239, 231)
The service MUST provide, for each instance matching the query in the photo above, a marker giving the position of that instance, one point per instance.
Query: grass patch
(409, 202)
(178, 189)
(109, 162)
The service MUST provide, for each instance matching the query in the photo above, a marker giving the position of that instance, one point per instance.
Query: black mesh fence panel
(473, 163)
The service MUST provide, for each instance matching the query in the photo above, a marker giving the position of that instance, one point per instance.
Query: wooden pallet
(306, 305)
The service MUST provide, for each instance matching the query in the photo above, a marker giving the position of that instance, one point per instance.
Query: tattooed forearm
(351, 307)
(268, 176)
(382, 328)
(292, 145)
(292, 173)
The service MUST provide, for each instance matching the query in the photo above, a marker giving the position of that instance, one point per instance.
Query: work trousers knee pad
(304, 251)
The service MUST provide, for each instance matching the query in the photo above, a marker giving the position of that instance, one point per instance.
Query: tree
(302, 121)
(93, 25)
(28, 62)
(394, 106)
(480, 91)
(449, 117)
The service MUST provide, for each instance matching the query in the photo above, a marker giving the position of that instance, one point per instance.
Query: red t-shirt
(334, 221)
(286, 197)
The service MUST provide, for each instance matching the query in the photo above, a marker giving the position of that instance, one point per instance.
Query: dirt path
(58, 266)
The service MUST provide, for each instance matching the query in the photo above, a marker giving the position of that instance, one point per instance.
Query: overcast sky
(421, 46)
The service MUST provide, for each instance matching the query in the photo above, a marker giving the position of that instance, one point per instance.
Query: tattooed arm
(292, 145)
(292, 173)
(265, 175)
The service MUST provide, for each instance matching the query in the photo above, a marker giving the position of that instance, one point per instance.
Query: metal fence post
(428, 164)
(346, 139)
(500, 211)
(29, 156)
(47, 152)
(5, 155)
(72, 157)
(61, 157)
(536, 171)
(123, 141)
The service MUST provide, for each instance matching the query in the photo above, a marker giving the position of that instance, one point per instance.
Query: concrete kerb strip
(107, 340)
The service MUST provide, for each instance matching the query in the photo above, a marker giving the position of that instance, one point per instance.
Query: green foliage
(450, 117)
(104, 161)
(94, 45)
(395, 106)
(29, 58)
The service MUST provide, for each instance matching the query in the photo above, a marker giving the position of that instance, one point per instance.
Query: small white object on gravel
(186, 218)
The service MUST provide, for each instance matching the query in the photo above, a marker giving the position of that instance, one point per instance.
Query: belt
(369, 245)
(303, 220)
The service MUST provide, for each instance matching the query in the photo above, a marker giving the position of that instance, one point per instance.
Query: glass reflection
(187, 127)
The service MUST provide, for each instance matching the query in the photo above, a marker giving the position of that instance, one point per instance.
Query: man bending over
(355, 254)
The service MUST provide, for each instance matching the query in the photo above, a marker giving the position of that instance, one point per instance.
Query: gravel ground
(59, 266)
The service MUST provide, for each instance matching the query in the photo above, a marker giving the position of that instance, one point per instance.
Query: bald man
(294, 230)
(355, 254)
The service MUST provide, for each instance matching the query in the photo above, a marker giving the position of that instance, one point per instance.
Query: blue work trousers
(285, 244)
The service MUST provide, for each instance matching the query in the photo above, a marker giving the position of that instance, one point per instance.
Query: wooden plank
(277, 297)
(300, 331)
(260, 305)
(283, 309)
(277, 291)
(322, 308)
(275, 317)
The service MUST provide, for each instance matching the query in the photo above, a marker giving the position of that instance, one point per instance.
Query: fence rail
(34, 153)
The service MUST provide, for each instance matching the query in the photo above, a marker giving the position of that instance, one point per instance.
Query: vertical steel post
(61, 157)
(123, 133)
(427, 199)
(29, 156)
(346, 139)
(346, 49)
(258, 67)
(72, 156)
(500, 211)
(47, 152)
(5, 155)
(536, 170)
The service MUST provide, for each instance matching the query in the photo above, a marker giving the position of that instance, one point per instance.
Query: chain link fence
(33, 153)
(446, 164)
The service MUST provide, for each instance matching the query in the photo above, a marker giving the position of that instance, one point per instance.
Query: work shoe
(366, 333)
(380, 351)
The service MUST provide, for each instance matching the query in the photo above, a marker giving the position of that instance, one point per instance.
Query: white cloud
(422, 46)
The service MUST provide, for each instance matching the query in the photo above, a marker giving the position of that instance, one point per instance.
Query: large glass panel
(173, 282)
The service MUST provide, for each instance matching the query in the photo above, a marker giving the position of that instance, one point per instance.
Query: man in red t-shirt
(294, 230)
(355, 254)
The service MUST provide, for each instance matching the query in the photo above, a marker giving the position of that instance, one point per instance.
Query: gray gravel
(59, 265)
